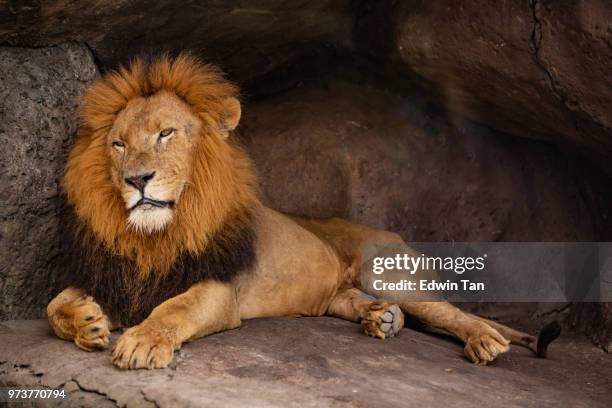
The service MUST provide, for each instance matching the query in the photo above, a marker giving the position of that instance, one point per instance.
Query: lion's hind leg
(75, 316)
(379, 319)
(483, 343)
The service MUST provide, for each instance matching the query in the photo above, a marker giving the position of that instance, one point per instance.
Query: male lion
(173, 242)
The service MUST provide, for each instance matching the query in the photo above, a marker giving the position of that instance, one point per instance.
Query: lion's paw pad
(383, 320)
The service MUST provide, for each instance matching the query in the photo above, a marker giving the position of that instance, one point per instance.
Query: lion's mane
(211, 235)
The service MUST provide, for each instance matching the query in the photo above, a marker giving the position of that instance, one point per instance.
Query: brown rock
(249, 40)
(535, 69)
(39, 90)
(594, 319)
(338, 149)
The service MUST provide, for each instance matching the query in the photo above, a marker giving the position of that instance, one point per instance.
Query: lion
(173, 243)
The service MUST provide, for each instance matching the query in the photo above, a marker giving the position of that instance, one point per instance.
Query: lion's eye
(118, 144)
(166, 132)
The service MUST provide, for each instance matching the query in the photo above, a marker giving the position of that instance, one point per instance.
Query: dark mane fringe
(126, 297)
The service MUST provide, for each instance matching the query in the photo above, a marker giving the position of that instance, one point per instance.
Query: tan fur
(304, 266)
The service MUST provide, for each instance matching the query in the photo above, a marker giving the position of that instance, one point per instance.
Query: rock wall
(535, 68)
(336, 148)
(595, 319)
(272, 41)
(39, 90)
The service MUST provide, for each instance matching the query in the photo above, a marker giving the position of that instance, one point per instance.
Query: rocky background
(438, 120)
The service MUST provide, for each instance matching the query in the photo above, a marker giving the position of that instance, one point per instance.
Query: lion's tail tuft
(547, 335)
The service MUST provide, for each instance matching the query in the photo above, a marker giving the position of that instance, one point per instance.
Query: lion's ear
(231, 116)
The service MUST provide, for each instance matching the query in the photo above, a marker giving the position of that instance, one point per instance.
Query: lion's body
(299, 277)
(172, 239)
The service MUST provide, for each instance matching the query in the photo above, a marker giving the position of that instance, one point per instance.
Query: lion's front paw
(382, 320)
(143, 347)
(484, 346)
(91, 325)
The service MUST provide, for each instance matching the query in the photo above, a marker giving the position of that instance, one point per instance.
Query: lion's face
(150, 145)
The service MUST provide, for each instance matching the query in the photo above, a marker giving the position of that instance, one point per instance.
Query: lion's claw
(142, 347)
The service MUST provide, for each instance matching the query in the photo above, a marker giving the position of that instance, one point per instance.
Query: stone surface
(594, 319)
(39, 90)
(335, 148)
(250, 40)
(310, 362)
(533, 68)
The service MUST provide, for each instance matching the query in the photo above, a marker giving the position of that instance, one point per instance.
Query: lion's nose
(140, 181)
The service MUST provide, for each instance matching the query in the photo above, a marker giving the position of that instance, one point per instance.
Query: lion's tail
(538, 345)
